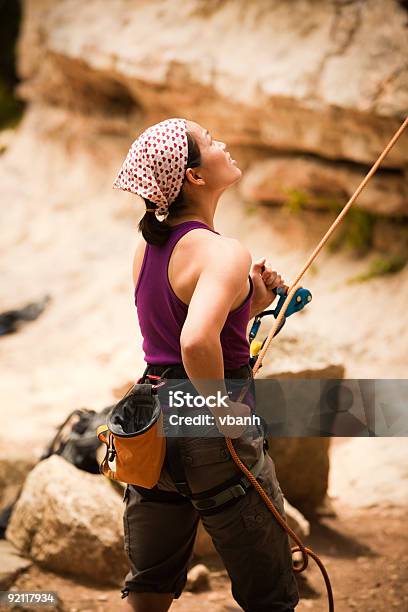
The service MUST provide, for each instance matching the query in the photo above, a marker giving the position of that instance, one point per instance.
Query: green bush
(381, 266)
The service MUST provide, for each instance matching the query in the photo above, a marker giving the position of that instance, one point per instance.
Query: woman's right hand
(237, 411)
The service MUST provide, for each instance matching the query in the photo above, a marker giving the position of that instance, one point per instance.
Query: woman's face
(217, 169)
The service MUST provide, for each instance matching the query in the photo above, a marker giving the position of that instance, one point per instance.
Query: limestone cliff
(325, 79)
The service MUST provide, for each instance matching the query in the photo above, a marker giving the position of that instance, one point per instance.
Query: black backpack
(76, 441)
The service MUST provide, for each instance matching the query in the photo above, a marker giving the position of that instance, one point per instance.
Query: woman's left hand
(264, 284)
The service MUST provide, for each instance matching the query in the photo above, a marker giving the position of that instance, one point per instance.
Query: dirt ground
(365, 554)
(364, 547)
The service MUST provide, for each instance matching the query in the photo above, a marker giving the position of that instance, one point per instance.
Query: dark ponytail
(155, 231)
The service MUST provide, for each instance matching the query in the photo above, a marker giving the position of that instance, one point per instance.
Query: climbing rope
(291, 292)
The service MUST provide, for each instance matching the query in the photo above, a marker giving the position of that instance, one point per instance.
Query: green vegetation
(296, 200)
(355, 232)
(251, 208)
(381, 266)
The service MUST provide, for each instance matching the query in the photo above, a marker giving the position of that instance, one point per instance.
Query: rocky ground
(363, 547)
(365, 555)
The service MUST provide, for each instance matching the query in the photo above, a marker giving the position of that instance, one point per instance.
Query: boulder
(302, 463)
(302, 468)
(198, 578)
(70, 522)
(306, 355)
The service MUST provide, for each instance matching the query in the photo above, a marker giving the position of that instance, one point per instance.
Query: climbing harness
(280, 319)
(137, 446)
(212, 500)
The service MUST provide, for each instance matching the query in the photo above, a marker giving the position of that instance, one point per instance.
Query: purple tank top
(162, 314)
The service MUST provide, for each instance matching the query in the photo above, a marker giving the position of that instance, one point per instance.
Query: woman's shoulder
(202, 235)
(197, 248)
(203, 242)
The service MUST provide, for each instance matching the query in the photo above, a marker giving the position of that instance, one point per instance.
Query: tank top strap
(178, 231)
(157, 258)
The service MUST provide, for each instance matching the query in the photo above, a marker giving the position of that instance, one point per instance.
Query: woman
(195, 292)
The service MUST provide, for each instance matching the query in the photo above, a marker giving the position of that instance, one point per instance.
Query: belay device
(301, 298)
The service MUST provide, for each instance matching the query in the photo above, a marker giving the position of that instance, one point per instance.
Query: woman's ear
(194, 177)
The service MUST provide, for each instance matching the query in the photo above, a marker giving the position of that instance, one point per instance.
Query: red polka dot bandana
(155, 165)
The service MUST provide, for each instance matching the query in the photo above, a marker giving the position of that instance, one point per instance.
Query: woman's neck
(198, 209)
(206, 219)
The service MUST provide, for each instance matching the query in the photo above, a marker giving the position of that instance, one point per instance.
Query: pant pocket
(257, 514)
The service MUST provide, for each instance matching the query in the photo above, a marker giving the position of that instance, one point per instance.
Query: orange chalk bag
(134, 437)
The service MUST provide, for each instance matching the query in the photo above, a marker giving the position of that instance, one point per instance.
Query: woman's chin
(238, 173)
(233, 176)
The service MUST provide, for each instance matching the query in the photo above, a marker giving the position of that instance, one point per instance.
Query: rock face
(383, 457)
(326, 79)
(70, 522)
(312, 182)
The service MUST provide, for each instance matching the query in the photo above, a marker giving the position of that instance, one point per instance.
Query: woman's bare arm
(224, 272)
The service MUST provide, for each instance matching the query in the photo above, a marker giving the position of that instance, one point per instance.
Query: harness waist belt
(236, 490)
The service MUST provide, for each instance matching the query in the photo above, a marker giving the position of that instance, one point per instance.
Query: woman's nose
(222, 145)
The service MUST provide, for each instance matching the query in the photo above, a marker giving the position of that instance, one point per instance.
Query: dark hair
(155, 231)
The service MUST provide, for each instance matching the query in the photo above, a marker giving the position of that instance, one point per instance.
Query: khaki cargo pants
(160, 527)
